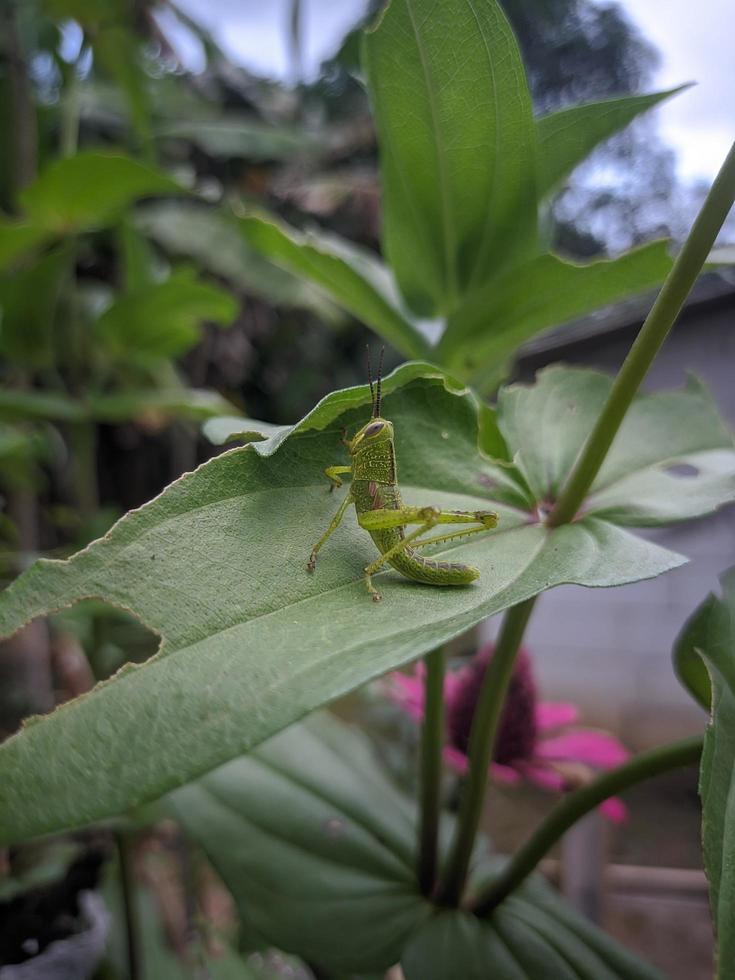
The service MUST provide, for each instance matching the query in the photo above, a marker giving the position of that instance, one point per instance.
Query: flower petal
(597, 749)
(506, 775)
(555, 714)
(455, 759)
(407, 691)
(614, 810)
(545, 777)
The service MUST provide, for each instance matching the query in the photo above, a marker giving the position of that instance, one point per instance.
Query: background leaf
(457, 146)
(214, 238)
(532, 934)
(216, 565)
(712, 631)
(352, 277)
(90, 190)
(567, 137)
(314, 801)
(545, 292)
(28, 298)
(164, 319)
(232, 136)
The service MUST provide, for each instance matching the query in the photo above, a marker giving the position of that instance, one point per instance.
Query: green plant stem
(574, 806)
(654, 331)
(432, 743)
(70, 110)
(132, 925)
(482, 741)
(83, 447)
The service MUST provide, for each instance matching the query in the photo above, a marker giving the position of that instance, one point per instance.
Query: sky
(695, 41)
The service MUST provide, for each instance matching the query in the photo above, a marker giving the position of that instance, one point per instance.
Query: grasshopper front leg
(332, 474)
(336, 520)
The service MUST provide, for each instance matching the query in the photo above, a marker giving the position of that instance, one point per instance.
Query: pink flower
(536, 740)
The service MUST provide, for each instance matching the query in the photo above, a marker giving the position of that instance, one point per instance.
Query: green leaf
(243, 136)
(457, 146)
(40, 405)
(544, 292)
(229, 428)
(122, 406)
(566, 137)
(532, 934)
(216, 566)
(214, 238)
(312, 800)
(689, 666)
(17, 238)
(673, 458)
(353, 278)
(119, 406)
(90, 190)
(28, 299)
(713, 632)
(164, 320)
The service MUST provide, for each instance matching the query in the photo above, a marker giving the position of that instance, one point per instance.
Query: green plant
(323, 856)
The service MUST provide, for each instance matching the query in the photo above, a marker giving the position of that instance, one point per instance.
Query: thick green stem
(482, 741)
(654, 331)
(432, 743)
(574, 806)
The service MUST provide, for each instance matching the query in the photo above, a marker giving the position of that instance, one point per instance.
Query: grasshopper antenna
(378, 393)
(370, 380)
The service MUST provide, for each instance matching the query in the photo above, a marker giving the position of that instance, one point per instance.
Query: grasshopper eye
(374, 428)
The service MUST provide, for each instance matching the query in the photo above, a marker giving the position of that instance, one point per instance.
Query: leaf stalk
(484, 730)
(575, 805)
(432, 743)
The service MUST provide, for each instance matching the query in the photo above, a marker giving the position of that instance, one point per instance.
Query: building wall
(610, 649)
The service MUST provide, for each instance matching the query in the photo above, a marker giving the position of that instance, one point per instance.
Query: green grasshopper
(381, 513)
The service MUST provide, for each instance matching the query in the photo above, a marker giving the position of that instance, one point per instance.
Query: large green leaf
(315, 845)
(544, 292)
(349, 275)
(216, 565)
(164, 319)
(319, 852)
(532, 935)
(566, 137)
(457, 146)
(714, 628)
(90, 190)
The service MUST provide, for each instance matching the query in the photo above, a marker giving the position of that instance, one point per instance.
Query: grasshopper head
(375, 432)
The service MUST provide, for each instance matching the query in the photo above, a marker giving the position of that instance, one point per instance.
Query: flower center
(516, 737)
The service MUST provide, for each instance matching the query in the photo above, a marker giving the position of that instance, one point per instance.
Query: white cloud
(255, 32)
(695, 41)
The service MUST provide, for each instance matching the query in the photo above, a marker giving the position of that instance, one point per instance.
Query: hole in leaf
(682, 469)
(108, 636)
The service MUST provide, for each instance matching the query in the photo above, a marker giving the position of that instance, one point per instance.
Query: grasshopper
(380, 511)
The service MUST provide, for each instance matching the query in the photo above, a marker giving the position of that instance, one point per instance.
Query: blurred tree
(578, 51)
